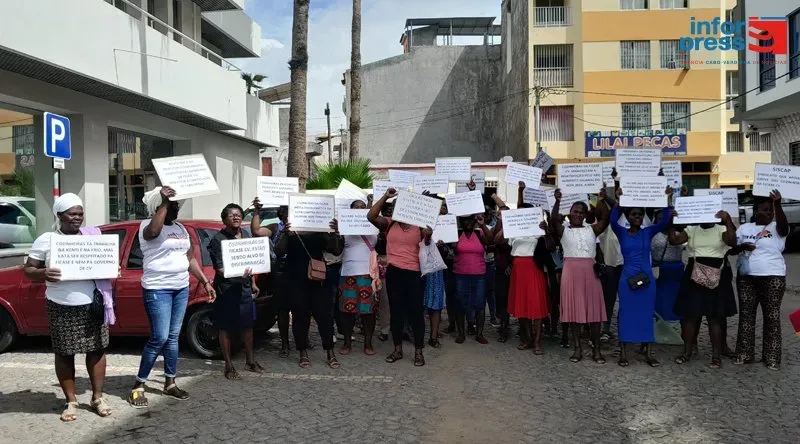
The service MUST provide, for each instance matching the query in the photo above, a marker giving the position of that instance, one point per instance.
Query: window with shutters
(636, 116)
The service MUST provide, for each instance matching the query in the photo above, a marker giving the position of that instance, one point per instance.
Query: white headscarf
(152, 200)
(64, 203)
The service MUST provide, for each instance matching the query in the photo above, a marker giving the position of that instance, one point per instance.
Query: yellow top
(706, 242)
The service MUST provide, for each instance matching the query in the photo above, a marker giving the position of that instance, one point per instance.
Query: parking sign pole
(56, 180)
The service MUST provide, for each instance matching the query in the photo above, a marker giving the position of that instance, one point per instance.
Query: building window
(177, 20)
(794, 153)
(552, 65)
(794, 45)
(633, 4)
(635, 54)
(731, 88)
(734, 142)
(674, 4)
(671, 55)
(675, 115)
(556, 123)
(636, 116)
(766, 67)
(759, 143)
(729, 15)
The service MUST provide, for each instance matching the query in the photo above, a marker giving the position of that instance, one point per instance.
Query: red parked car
(22, 302)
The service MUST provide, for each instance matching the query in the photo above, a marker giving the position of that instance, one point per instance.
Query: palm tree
(355, 81)
(298, 65)
(329, 175)
(252, 80)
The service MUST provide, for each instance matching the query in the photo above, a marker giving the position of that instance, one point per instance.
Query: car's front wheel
(8, 331)
(201, 334)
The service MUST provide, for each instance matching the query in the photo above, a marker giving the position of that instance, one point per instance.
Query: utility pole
(328, 116)
(341, 145)
(537, 118)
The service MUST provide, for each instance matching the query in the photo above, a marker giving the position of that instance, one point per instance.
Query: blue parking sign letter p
(56, 136)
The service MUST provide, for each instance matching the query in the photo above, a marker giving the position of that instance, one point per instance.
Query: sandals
(334, 363)
(284, 353)
(623, 362)
(599, 359)
(652, 362)
(344, 351)
(538, 352)
(742, 361)
(419, 360)
(231, 374)
(525, 346)
(481, 340)
(173, 391)
(576, 358)
(254, 367)
(683, 359)
(394, 357)
(70, 412)
(773, 367)
(137, 399)
(369, 351)
(101, 407)
(304, 362)
(434, 343)
(716, 363)
(383, 337)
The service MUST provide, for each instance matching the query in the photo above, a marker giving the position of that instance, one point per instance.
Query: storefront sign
(605, 143)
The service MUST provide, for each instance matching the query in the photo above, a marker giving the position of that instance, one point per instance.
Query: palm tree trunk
(355, 82)
(297, 162)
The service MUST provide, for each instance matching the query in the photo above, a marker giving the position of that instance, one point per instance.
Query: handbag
(638, 281)
(374, 266)
(97, 308)
(657, 266)
(317, 270)
(704, 275)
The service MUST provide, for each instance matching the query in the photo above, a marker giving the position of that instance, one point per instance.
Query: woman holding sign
(78, 319)
(403, 278)
(707, 285)
(234, 307)
(637, 291)
(762, 280)
(582, 299)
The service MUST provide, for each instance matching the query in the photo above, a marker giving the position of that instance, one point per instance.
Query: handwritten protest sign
(276, 190)
(379, 187)
(465, 204)
(349, 191)
(516, 173)
(542, 161)
(85, 257)
(355, 223)
(648, 192)
(240, 254)
(479, 177)
(638, 162)
(416, 209)
(446, 229)
(311, 212)
(404, 178)
(608, 169)
(580, 177)
(567, 201)
(437, 184)
(730, 199)
(523, 222)
(537, 198)
(188, 175)
(784, 178)
(697, 209)
(673, 171)
(455, 168)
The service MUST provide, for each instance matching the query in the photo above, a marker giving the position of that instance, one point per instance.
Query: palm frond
(259, 78)
(329, 176)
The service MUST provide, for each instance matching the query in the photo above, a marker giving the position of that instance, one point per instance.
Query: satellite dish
(507, 159)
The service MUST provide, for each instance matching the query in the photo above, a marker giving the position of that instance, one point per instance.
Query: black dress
(233, 311)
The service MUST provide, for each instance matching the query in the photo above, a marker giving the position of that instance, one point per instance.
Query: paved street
(466, 393)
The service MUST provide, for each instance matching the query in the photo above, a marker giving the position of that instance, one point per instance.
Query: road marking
(198, 372)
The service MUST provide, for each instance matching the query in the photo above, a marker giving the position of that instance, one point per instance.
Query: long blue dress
(636, 308)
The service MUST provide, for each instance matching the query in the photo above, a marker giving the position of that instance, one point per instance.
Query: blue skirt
(434, 291)
(668, 285)
(636, 308)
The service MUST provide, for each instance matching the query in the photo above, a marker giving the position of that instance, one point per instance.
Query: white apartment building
(139, 79)
(772, 104)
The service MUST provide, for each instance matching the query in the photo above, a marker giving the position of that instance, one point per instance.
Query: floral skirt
(73, 329)
(356, 295)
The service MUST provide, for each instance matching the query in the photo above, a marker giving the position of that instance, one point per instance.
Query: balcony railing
(552, 16)
(154, 22)
(553, 76)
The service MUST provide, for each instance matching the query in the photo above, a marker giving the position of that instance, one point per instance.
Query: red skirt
(527, 294)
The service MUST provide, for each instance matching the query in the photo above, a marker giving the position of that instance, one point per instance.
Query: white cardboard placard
(638, 162)
(516, 173)
(403, 178)
(580, 177)
(188, 175)
(465, 204)
(784, 178)
(355, 223)
(730, 199)
(542, 161)
(446, 229)
(697, 209)
(647, 192)
(438, 184)
(416, 209)
(522, 223)
(479, 177)
(673, 171)
(276, 190)
(537, 198)
(311, 212)
(240, 254)
(608, 168)
(455, 168)
(81, 257)
(567, 201)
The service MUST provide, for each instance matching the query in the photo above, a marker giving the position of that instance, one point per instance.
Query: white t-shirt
(355, 259)
(166, 266)
(523, 246)
(767, 258)
(64, 292)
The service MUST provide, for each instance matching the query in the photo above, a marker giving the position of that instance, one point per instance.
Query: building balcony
(105, 52)
(553, 77)
(219, 5)
(552, 16)
(233, 33)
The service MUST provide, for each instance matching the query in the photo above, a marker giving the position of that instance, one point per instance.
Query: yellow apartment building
(613, 71)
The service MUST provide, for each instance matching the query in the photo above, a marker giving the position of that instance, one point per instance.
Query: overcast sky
(329, 42)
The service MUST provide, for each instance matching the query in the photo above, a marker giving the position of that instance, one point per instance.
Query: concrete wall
(512, 133)
(280, 154)
(787, 131)
(239, 26)
(234, 162)
(432, 102)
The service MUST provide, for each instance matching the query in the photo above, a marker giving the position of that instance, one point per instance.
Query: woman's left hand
(480, 220)
(723, 216)
(775, 195)
(248, 272)
(254, 290)
(669, 191)
(209, 289)
(335, 226)
(601, 196)
(543, 226)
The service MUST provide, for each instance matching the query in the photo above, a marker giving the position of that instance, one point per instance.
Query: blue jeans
(165, 310)
(471, 293)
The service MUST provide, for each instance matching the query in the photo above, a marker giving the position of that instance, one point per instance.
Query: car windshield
(29, 205)
(267, 213)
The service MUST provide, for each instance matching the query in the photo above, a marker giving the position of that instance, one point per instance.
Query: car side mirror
(24, 220)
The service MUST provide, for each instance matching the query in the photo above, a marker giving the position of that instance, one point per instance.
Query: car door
(124, 240)
(131, 316)
(10, 231)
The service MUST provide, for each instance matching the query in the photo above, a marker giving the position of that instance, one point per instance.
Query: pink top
(470, 257)
(402, 246)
